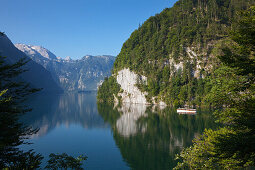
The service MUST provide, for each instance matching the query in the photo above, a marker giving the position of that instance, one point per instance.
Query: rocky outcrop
(195, 59)
(128, 79)
(131, 94)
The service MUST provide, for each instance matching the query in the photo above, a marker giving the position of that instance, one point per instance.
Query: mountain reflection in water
(130, 136)
(51, 111)
(150, 137)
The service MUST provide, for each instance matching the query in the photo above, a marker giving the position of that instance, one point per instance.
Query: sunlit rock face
(36, 51)
(193, 58)
(128, 80)
(127, 124)
(72, 75)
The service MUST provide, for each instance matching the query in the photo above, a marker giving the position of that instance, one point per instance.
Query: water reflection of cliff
(150, 139)
(127, 123)
(51, 111)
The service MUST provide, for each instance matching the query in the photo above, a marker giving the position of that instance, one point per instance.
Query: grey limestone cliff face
(195, 58)
(128, 81)
(72, 75)
(131, 94)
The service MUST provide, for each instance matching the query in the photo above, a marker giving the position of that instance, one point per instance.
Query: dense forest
(233, 95)
(200, 52)
(176, 50)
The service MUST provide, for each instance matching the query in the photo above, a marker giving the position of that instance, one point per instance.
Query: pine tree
(233, 94)
(13, 133)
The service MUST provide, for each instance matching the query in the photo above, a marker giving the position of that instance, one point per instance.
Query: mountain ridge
(71, 74)
(36, 75)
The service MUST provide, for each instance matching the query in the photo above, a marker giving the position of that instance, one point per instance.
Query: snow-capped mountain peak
(71, 74)
(68, 58)
(35, 51)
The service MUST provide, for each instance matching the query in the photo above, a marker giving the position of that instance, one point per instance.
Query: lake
(128, 137)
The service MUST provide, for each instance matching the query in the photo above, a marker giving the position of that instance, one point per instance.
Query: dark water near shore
(128, 137)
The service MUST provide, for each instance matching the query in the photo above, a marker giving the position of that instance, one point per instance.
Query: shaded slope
(36, 75)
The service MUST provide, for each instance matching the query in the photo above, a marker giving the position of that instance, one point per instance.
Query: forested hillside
(230, 146)
(176, 51)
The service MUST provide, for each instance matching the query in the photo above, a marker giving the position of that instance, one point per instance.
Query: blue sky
(76, 27)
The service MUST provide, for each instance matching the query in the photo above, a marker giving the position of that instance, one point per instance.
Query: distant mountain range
(36, 75)
(71, 75)
(54, 74)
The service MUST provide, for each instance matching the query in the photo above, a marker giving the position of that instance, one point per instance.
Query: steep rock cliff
(128, 80)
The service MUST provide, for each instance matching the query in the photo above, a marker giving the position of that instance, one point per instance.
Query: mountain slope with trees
(176, 50)
(233, 95)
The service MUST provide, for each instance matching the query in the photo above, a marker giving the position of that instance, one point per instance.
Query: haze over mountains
(71, 75)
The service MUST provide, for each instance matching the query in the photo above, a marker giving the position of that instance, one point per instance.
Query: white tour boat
(186, 111)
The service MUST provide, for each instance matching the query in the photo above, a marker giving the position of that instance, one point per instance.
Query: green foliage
(204, 153)
(162, 41)
(13, 133)
(57, 161)
(3, 99)
(241, 54)
(109, 88)
(233, 146)
(108, 113)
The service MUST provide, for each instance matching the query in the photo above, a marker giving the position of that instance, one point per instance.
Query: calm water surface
(128, 137)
